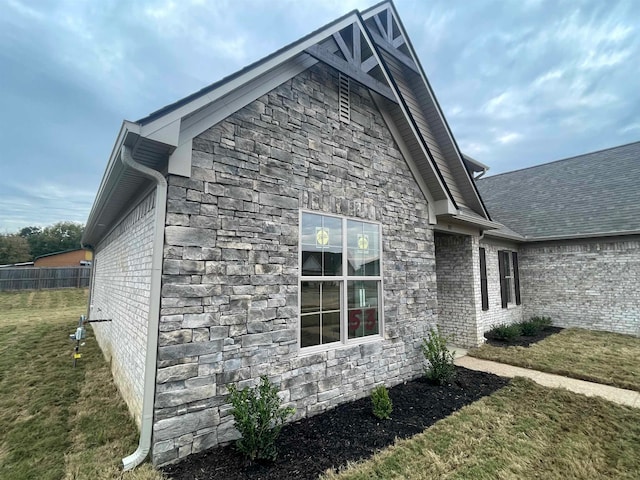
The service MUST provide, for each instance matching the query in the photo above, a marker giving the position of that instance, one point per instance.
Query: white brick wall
(120, 292)
(496, 315)
(455, 272)
(589, 284)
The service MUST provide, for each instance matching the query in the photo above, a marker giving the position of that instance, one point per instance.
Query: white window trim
(344, 342)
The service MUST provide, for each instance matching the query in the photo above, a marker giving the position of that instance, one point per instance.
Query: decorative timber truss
(353, 51)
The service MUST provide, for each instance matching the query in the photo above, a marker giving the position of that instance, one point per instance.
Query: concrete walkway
(617, 395)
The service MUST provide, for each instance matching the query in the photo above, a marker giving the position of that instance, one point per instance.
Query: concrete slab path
(613, 394)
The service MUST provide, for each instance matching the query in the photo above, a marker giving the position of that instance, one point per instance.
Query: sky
(521, 82)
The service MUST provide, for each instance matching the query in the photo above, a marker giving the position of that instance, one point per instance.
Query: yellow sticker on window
(363, 241)
(322, 236)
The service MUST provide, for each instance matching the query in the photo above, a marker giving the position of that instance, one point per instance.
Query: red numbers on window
(370, 319)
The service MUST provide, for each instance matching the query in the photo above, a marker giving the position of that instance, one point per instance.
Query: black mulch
(522, 341)
(348, 432)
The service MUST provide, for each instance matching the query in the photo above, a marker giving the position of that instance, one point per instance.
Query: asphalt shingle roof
(593, 194)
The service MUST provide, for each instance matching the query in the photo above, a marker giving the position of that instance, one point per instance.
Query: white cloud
(508, 137)
(630, 128)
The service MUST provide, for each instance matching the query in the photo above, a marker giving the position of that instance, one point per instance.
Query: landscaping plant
(259, 417)
(542, 322)
(381, 403)
(441, 368)
(505, 332)
(530, 329)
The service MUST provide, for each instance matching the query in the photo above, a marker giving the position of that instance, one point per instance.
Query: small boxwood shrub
(505, 332)
(381, 403)
(543, 322)
(259, 417)
(440, 369)
(530, 329)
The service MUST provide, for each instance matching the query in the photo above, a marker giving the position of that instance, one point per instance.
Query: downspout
(149, 386)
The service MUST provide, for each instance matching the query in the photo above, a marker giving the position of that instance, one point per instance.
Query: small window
(484, 292)
(340, 280)
(509, 277)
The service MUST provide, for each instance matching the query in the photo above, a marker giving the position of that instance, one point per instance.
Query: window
(340, 280)
(509, 277)
(484, 292)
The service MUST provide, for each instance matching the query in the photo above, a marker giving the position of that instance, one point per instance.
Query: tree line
(33, 242)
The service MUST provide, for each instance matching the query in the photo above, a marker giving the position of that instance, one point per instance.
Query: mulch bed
(346, 433)
(522, 341)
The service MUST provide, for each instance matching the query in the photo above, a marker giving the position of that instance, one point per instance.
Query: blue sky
(521, 82)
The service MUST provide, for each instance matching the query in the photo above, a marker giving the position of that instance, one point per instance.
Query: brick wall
(120, 292)
(457, 287)
(497, 315)
(589, 284)
(230, 285)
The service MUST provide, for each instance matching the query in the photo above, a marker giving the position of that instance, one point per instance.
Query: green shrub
(259, 417)
(441, 368)
(530, 328)
(505, 332)
(542, 322)
(381, 403)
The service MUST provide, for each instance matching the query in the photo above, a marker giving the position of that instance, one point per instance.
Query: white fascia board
(503, 235)
(487, 224)
(423, 77)
(376, 10)
(236, 83)
(168, 134)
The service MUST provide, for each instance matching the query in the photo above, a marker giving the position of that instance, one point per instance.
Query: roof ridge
(559, 160)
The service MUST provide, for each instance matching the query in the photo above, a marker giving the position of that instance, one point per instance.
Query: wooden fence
(38, 278)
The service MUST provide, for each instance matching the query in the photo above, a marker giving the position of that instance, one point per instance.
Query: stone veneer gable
(230, 277)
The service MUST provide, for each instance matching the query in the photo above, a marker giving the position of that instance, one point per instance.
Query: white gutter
(149, 386)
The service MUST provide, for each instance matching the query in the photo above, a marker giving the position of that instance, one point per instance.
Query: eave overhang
(120, 183)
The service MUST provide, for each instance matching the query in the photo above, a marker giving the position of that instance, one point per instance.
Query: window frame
(484, 287)
(509, 273)
(343, 280)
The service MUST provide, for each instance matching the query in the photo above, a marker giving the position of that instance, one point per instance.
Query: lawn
(601, 357)
(57, 422)
(522, 431)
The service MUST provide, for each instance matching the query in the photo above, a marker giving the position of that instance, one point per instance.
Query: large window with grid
(340, 280)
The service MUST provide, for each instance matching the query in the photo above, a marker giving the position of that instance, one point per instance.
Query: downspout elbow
(146, 425)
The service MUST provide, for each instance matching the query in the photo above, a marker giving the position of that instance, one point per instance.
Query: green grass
(523, 431)
(57, 422)
(602, 357)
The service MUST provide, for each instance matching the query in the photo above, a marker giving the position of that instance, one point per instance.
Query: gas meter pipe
(149, 386)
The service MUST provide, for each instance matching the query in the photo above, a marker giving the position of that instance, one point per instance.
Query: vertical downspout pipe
(149, 386)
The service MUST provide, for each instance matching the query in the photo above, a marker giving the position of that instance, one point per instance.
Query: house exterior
(309, 218)
(579, 246)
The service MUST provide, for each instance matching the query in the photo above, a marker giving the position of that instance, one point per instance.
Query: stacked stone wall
(120, 292)
(589, 284)
(231, 273)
